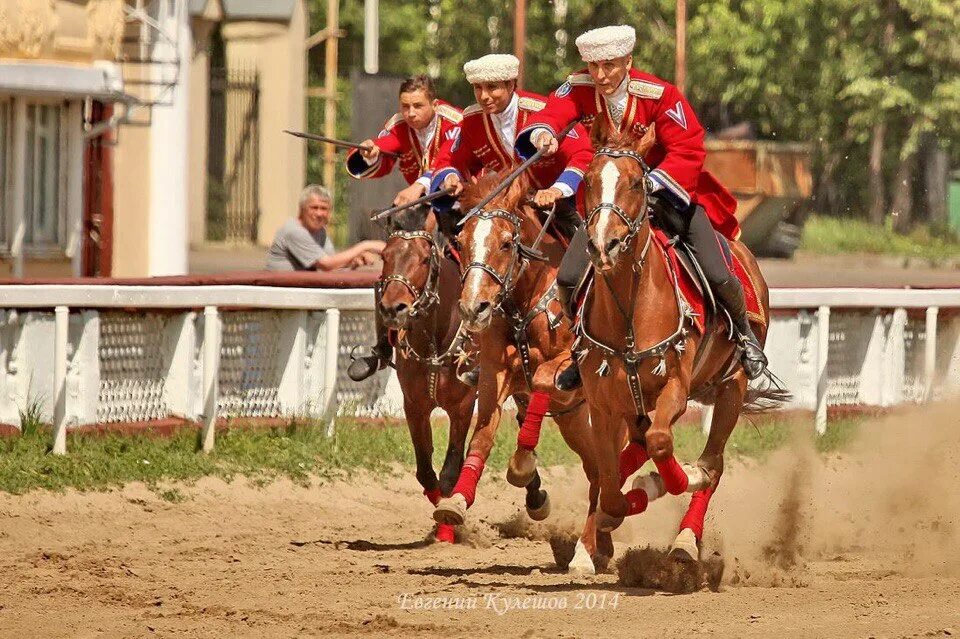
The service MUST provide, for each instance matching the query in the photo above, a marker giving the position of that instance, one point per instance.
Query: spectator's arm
(345, 258)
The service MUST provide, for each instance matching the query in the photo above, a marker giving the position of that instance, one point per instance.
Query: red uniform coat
(398, 137)
(677, 156)
(479, 147)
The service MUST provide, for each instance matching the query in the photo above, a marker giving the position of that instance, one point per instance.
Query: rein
(629, 354)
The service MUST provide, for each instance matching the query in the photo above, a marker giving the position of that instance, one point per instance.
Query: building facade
(105, 130)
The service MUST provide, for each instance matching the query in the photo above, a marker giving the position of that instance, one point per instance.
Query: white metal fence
(128, 354)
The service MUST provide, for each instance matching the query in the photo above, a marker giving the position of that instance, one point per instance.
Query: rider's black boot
(730, 296)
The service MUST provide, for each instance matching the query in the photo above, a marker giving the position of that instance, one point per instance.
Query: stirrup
(362, 368)
(471, 377)
(752, 357)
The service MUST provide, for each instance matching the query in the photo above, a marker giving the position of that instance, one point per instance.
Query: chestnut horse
(509, 302)
(419, 292)
(642, 356)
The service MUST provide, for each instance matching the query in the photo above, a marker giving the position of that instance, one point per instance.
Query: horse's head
(411, 262)
(491, 250)
(616, 197)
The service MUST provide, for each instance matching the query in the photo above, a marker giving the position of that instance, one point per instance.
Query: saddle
(691, 283)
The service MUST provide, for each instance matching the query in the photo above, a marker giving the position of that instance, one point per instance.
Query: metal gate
(233, 196)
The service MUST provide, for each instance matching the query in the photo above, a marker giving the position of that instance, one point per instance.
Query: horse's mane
(600, 136)
(412, 219)
(509, 200)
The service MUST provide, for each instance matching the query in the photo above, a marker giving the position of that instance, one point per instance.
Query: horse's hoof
(522, 467)
(541, 513)
(581, 565)
(607, 523)
(445, 534)
(697, 477)
(685, 547)
(652, 484)
(451, 510)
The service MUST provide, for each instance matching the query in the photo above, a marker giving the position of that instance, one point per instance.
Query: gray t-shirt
(296, 249)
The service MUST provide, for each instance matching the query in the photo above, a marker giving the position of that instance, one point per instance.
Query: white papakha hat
(495, 67)
(607, 43)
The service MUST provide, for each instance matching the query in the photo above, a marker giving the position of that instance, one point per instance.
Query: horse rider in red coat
(416, 134)
(688, 200)
(487, 138)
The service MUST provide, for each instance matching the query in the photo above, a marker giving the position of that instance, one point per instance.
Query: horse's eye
(638, 184)
(506, 245)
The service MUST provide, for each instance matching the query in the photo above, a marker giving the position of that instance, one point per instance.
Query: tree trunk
(936, 167)
(901, 207)
(878, 205)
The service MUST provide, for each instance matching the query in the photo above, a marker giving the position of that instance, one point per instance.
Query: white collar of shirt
(425, 135)
(506, 122)
(617, 102)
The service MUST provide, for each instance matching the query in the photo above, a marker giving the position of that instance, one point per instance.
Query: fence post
(823, 348)
(894, 358)
(61, 332)
(211, 366)
(930, 353)
(331, 354)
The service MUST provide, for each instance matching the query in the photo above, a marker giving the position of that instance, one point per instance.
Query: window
(44, 211)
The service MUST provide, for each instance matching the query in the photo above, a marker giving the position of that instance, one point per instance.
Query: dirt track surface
(843, 547)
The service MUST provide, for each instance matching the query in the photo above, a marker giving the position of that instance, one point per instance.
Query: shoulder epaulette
(577, 79)
(644, 89)
(531, 104)
(448, 112)
(473, 109)
(394, 120)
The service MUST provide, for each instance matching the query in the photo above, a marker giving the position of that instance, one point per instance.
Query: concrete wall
(199, 129)
(276, 51)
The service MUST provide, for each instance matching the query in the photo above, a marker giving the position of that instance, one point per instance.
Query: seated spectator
(302, 244)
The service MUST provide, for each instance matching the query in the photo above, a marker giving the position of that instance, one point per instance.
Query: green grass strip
(302, 453)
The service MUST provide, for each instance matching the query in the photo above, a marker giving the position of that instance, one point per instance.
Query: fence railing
(121, 354)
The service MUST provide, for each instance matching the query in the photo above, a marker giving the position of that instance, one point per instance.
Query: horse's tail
(766, 396)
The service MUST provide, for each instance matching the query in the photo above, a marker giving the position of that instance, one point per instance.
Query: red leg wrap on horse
(697, 511)
(632, 457)
(433, 495)
(529, 434)
(674, 479)
(638, 500)
(445, 533)
(469, 477)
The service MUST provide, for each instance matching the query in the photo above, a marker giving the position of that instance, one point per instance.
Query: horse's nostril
(612, 245)
(482, 307)
(399, 308)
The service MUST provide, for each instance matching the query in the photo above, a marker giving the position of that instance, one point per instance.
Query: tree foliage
(826, 72)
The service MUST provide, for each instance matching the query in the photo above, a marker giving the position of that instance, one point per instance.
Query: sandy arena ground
(864, 544)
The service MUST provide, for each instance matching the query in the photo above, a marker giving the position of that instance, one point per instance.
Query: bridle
(456, 353)
(426, 298)
(634, 225)
(504, 303)
(629, 354)
(506, 280)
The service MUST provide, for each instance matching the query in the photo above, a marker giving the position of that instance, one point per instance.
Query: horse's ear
(648, 140)
(599, 134)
